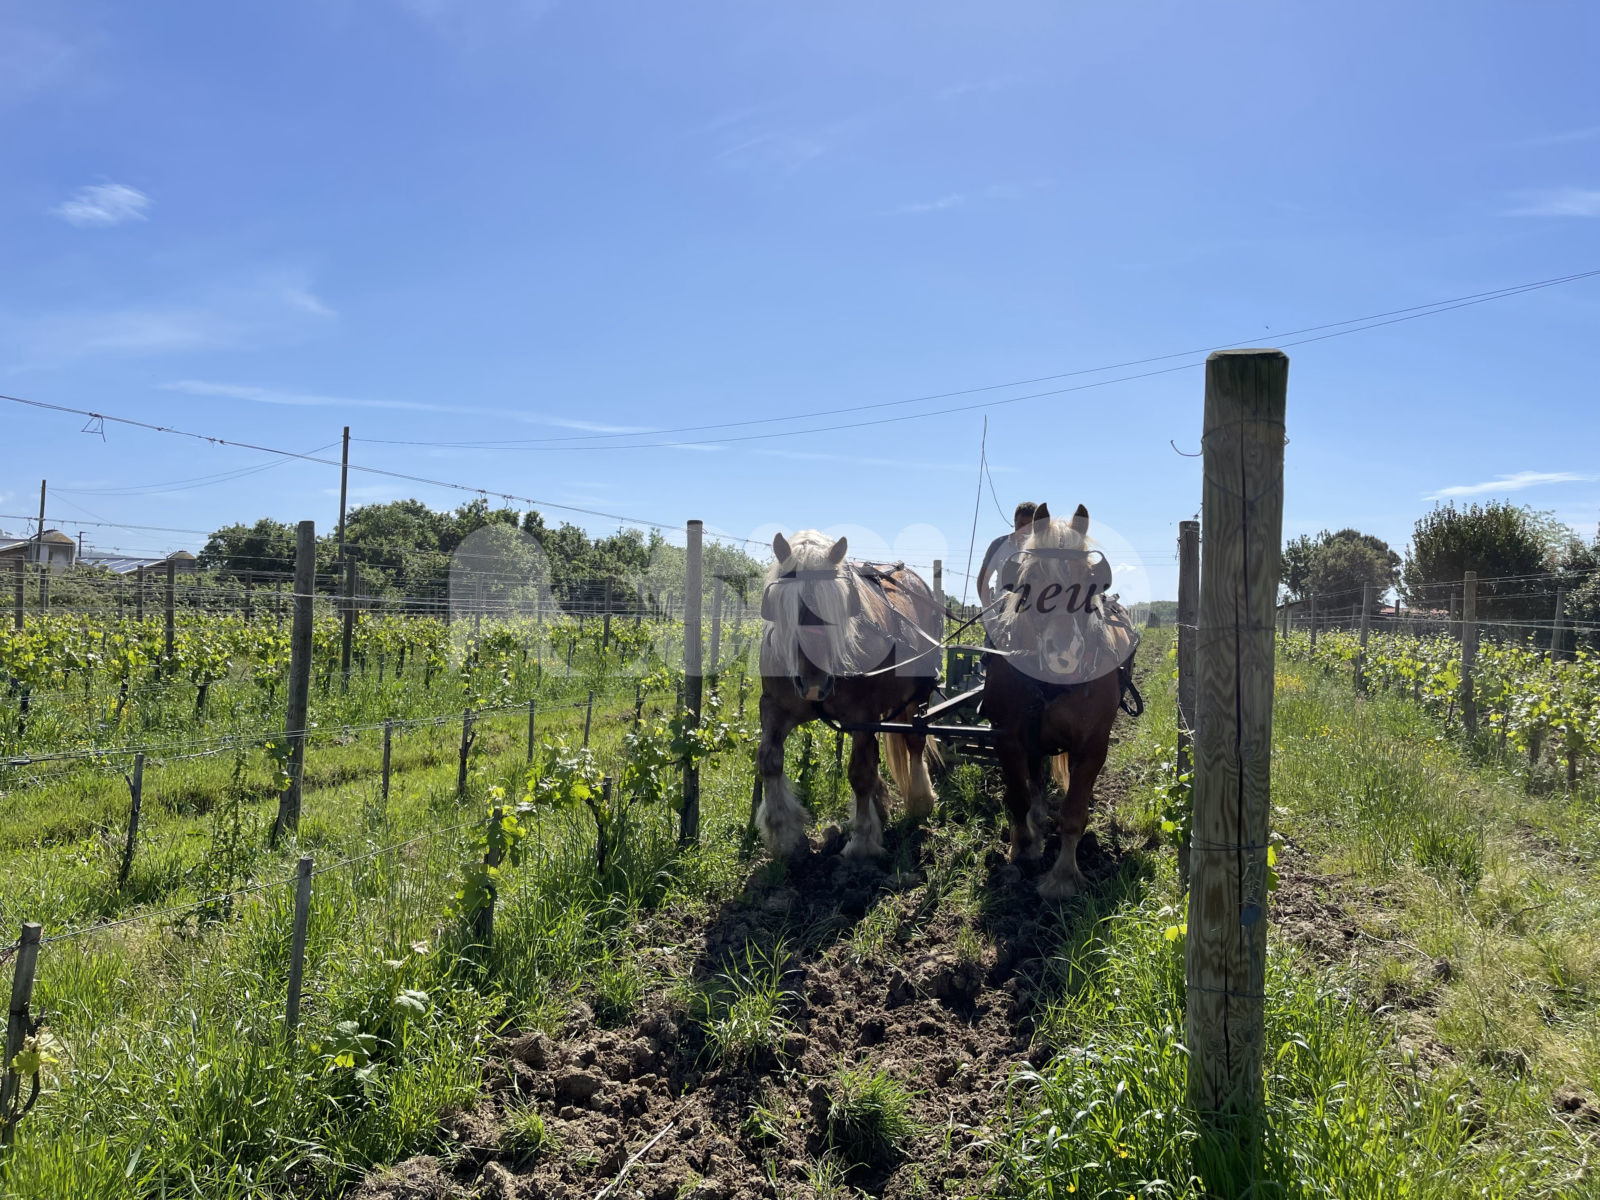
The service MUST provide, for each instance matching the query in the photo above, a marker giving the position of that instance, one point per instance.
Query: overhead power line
(1331, 329)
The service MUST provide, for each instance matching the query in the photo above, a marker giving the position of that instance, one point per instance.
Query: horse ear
(1080, 519)
(1042, 513)
(836, 555)
(780, 547)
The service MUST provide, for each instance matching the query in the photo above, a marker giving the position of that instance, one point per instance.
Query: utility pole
(344, 488)
(39, 552)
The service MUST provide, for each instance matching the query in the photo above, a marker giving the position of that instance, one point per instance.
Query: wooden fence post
(1188, 616)
(388, 743)
(467, 738)
(138, 596)
(19, 1024)
(1313, 609)
(1242, 503)
(531, 708)
(19, 571)
(714, 656)
(349, 630)
(1397, 625)
(938, 596)
(136, 799)
(172, 608)
(689, 822)
(1366, 628)
(602, 840)
(297, 947)
(588, 718)
(1455, 613)
(1556, 630)
(44, 589)
(305, 582)
(1469, 651)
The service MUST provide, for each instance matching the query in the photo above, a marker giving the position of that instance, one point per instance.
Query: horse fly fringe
(1059, 771)
(898, 755)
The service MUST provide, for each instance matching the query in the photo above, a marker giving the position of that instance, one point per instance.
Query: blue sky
(489, 220)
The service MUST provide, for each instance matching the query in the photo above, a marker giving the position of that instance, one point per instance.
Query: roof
(58, 538)
(118, 564)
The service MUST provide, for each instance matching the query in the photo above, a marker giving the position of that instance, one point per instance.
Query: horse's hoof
(1060, 887)
(860, 848)
(1030, 851)
(920, 808)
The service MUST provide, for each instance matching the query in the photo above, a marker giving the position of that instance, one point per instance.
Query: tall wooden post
(689, 822)
(38, 555)
(135, 802)
(297, 946)
(138, 596)
(532, 709)
(1188, 616)
(1455, 613)
(172, 608)
(467, 738)
(1366, 628)
(1313, 610)
(388, 746)
(1397, 614)
(19, 593)
(348, 633)
(1469, 651)
(1556, 630)
(18, 1020)
(714, 658)
(1242, 504)
(938, 594)
(294, 724)
(344, 486)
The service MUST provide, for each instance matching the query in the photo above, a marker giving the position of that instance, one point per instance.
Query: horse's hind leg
(866, 810)
(1064, 879)
(781, 818)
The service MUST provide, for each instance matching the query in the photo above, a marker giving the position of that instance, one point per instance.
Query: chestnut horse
(856, 643)
(1063, 656)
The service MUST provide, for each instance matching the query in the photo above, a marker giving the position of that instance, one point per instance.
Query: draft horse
(856, 643)
(1061, 662)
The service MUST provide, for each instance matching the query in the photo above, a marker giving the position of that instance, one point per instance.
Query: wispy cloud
(856, 461)
(33, 59)
(306, 301)
(268, 309)
(950, 200)
(1501, 484)
(998, 83)
(1557, 202)
(1565, 137)
(103, 204)
(288, 399)
(953, 200)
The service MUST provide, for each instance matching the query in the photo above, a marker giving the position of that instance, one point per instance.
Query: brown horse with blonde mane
(852, 643)
(1062, 660)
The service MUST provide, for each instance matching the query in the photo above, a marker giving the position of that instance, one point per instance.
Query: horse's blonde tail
(1058, 769)
(898, 755)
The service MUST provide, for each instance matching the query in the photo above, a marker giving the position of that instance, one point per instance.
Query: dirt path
(927, 974)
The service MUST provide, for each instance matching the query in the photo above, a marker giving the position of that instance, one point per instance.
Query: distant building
(56, 549)
(128, 564)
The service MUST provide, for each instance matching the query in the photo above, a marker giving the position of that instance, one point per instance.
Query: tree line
(403, 548)
(1521, 556)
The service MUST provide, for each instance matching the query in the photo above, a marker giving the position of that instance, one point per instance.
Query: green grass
(743, 1011)
(868, 1117)
(1386, 1076)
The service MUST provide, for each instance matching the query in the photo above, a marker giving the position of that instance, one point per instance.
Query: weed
(869, 1116)
(524, 1135)
(744, 1010)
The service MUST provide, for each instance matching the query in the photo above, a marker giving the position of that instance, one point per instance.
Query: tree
(1505, 544)
(1339, 565)
(237, 550)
